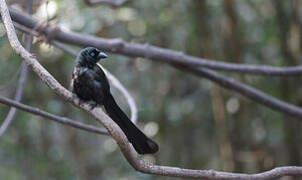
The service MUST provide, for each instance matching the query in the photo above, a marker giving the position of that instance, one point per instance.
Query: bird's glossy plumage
(89, 83)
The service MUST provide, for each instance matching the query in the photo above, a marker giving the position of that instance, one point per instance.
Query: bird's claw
(80, 102)
(92, 106)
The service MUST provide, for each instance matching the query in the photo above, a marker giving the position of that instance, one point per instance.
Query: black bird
(89, 83)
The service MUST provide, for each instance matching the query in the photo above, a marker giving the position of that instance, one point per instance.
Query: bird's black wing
(87, 84)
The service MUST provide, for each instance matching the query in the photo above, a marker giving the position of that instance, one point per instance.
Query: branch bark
(23, 77)
(148, 51)
(59, 119)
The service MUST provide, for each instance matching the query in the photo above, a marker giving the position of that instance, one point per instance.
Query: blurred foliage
(196, 123)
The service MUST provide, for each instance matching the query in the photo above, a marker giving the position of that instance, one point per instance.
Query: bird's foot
(77, 99)
(81, 101)
(92, 106)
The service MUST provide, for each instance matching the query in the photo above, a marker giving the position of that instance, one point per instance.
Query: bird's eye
(92, 54)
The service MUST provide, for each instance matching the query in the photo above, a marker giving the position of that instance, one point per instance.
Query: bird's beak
(102, 55)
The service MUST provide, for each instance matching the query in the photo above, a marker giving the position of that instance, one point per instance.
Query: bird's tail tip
(148, 147)
(152, 146)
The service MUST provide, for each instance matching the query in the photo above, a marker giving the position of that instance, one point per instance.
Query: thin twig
(150, 52)
(59, 119)
(23, 76)
(116, 132)
(25, 29)
(64, 48)
(12, 80)
(13, 111)
(112, 3)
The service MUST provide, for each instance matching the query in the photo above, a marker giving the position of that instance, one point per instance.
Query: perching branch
(114, 130)
(148, 51)
(22, 80)
(245, 90)
(59, 119)
(112, 3)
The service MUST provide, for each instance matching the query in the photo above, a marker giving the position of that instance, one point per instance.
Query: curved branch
(116, 132)
(22, 80)
(59, 119)
(148, 51)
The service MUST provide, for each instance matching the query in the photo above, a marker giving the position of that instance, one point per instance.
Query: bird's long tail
(141, 143)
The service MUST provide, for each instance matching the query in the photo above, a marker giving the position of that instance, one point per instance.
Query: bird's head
(90, 56)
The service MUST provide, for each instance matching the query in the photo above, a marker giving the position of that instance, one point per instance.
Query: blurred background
(197, 124)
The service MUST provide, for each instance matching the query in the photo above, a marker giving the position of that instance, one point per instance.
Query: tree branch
(112, 3)
(23, 77)
(245, 90)
(59, 119)
(148, 51)
(13, 111)
(117, 134)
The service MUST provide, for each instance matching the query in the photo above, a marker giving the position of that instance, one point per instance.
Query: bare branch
(22, 80)
(64, 48)
(116, 132)
(25, 29)
(245, 90)
(112, 3)
(248, 91)
(59, 119)
(150, 52)
(13, 111)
